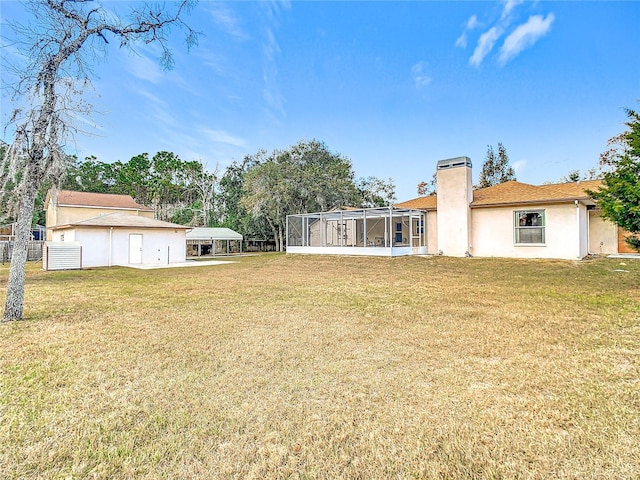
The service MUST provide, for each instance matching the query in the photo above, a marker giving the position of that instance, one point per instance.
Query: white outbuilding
(124, 239)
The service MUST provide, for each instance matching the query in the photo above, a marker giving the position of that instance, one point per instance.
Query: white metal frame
(359, 232)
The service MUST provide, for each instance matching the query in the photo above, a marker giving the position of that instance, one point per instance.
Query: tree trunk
(15, 286)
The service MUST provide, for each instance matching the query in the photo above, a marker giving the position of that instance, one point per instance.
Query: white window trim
(517, 227)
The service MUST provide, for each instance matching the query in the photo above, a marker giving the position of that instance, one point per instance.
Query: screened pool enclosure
(381, 231)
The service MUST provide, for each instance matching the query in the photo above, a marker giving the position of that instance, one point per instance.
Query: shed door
(624, 247)
(135, 248)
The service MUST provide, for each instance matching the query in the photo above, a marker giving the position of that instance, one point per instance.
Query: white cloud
(221, 136)
(163, 118)
(151, 97)
(509, 5)
(485, 45)
(274, 9)
(525, 36)
(271, 47)
(144, 68)
(420, 78)
(472, 23)
(214, 60)
(271, 94)
(519, 166)
(227, 21)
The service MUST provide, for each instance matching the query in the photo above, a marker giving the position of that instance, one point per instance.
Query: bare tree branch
(58, 48)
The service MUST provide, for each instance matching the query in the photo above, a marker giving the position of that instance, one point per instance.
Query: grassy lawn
(325, 367)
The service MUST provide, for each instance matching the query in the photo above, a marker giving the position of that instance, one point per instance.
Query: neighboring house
(511, 219)
(34, 246)
(8, 232)
(66, 206)
(124, 239)
(99, 229)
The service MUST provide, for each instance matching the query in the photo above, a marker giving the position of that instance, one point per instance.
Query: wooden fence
(34, 251)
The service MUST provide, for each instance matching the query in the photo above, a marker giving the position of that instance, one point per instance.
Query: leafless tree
(56, 50)
(206, 185)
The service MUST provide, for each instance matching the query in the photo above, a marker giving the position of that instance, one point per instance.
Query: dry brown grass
(325, 367)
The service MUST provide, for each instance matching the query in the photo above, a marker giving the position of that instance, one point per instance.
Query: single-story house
(512, 219)
(123, 239)
(67, 206)
(213, 241)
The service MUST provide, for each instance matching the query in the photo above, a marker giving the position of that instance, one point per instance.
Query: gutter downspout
(589, 252)
(110, 243)
(577, 204)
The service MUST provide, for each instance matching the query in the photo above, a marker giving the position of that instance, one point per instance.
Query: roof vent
(454, 163)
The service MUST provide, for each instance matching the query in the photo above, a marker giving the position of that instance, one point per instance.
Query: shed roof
(121, 220)
(514, 193)
(105, 200)
(213, 233)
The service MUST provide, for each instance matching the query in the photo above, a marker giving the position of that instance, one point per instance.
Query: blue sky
(394, 86)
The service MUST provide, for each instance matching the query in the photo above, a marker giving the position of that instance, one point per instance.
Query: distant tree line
(252, 196)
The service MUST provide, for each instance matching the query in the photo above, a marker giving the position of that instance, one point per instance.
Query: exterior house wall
(159, 246)
(455, 193)
(375, 233)
(68, 235)
(62, 214)
(340, 233)
(400, 231)
(432, 233)
(493, 232)
(95, 246)
(315, 235)
(583, 225)
(603, 238)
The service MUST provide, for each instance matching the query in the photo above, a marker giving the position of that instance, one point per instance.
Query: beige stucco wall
(493, 232)
(584, 230)
(455, 193)
(603, 236)
(432, 233)
(63, 215)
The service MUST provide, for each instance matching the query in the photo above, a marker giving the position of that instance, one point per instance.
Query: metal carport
(213, 241)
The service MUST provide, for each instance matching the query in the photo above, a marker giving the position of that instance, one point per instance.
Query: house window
(399, 232)
(529, 227)
(419, 227)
